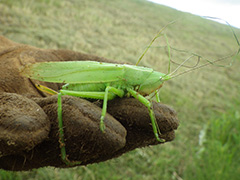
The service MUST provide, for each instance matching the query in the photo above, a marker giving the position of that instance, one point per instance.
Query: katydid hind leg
(148, 104)
(105, 96)
(104, 109)
(60, 126)
(94, 95)
(97, 95)
(61, 135)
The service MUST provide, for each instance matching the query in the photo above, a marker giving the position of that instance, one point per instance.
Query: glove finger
(134, 116)
(23, 124)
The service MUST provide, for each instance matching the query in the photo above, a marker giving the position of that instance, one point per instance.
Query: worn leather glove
(28, 117)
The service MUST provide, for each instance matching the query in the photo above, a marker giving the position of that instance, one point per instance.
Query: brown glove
(28, 118)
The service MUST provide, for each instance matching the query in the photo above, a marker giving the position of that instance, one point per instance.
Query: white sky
(228, 10)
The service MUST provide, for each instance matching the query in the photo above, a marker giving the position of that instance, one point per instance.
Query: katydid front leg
(148, 104)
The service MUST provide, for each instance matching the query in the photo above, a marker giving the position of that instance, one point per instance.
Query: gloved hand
(28, 117)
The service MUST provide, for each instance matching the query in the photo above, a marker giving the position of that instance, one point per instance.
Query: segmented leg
(116, 91)
(94, 95)
(148, 104)
(157, 96)
(61, 135)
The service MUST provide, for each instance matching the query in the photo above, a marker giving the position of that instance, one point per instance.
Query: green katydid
(90, 79)
(97, 80)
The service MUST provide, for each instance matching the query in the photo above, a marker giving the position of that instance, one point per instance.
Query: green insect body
(97, 80)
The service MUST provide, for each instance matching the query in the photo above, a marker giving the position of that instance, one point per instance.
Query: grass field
(207, 100)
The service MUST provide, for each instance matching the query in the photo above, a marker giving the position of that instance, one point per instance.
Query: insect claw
(71, 163)
(159, 139)
(102, 126)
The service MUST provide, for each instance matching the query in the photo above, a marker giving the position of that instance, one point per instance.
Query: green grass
(218, 152)
(121, 30)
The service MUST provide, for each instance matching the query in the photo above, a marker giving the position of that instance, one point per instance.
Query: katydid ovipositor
(90, 79)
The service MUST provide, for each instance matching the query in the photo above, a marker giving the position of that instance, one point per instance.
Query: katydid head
(153, 82)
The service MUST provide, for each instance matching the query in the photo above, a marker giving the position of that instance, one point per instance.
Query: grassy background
(206, 100)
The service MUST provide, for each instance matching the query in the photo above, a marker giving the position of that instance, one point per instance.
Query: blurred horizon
(223, 9)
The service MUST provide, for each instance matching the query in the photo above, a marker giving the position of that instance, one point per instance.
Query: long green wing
(74, 72)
